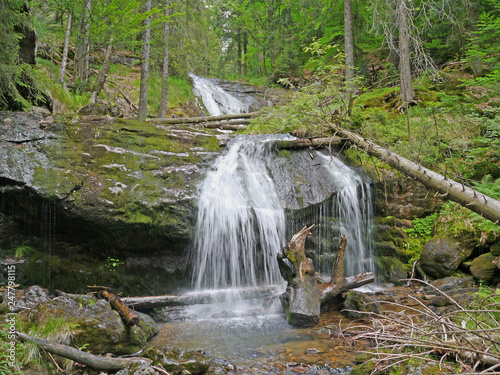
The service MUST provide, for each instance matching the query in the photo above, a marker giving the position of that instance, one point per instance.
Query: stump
(303, 298)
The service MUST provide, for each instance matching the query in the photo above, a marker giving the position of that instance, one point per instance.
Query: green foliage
(179, 91)
(458, 221)
(422, 227)
(111, 264)
(23, 250)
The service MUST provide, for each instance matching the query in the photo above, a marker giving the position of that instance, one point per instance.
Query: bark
(477, 202)
(226, 125)
(146, 47)
(349, 53)
(303, 298)
(195, 120)
(62, 72)
(82, 52)
(127, 314)
(103, 74)
(152, 302)
(407, 94)
(308, 142)
(164, 88)
(93, 361)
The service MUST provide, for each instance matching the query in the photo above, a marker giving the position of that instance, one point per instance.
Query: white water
(217, 101)
(240, 224)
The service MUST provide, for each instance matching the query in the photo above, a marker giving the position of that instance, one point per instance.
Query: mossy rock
(441, 256)
(359, 303)
(495, 249)
(93, 323)
(483, 268)
(391, 270)
(176, 361)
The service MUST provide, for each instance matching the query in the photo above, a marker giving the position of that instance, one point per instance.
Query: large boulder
(484, 268)
(441, 257)
(90, 323)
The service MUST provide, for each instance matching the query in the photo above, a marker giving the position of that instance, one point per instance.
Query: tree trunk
(349, 54)
(146, 46)
(301, 301)
(93, 361)
(164, 85)
(81, 56)
(303, 298)
(152, 302)
(407, 94)
(480, 203)
(103, 74)
(195, 120)
(62, 72)
(245, 46)
(128, 315)
(238, 60)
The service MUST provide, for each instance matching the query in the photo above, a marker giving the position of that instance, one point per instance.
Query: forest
(404, 90)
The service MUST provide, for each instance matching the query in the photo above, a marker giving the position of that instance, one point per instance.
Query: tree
(146, 47)
(62, 71)
(10, 16)
(164, 88)
(349, 52)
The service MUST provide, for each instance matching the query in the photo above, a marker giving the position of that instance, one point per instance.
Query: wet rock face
(114, 185)
(357, 303)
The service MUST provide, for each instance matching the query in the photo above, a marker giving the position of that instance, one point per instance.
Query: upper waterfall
(220, 101)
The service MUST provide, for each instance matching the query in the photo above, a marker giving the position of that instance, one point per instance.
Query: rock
(441, 257)
(391, 270)
(26, 299)
(358, 303)
(95, 324)
(495, 249)
(177, 361)
(138, 369)
(403, 197)
(449, 283)
(484, 269)
(95, 109)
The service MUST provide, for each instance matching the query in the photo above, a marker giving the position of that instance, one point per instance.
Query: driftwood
(477, 202)
(153, 302)
(303, 297)
(197, 120)
(90, 360)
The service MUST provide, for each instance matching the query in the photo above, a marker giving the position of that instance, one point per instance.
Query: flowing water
(249, 204)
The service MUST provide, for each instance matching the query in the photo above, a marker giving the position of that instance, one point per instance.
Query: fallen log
(90, 360)
(477, 202)
(153, 302)
(196, 120)
(308, 142)
(127, 314)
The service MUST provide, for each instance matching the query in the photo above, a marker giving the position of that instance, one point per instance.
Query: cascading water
(217, 101)
(241, 222)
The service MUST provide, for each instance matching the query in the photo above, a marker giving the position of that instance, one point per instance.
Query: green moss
(283, 153)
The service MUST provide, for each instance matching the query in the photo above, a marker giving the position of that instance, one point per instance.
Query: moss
(282, 153)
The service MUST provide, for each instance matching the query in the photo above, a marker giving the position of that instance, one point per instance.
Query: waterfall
(240, 223)
(242, 216)
(217, 101)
